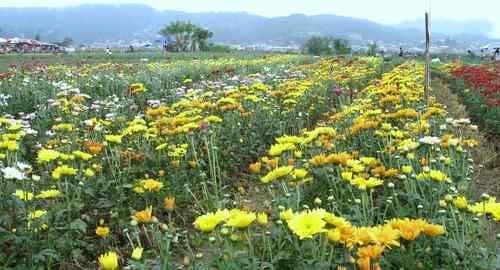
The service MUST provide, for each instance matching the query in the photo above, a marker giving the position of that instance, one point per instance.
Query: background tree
(67, 42)
(217, 48)
(318, 45)
(174, 29)
(37, 37)
(188, 37)
(341, 46)
(200, 37)
(372, 49)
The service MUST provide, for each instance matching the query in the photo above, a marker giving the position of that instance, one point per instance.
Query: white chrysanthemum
(430, 140)
(13, 173)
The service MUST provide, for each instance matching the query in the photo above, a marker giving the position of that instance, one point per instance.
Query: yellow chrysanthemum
(49, 194)
(334, 235)
(102, 231)
(63, 170)
(82, 155)
(278, 149)
(23, 195)
(276, 174)
(240, 219)
(47, 155)
(460, 202)
(438, 176)
(364, 184)
(144, 216)
(151, 185)
(208, 222)
(113, 138)
(307, 224)
(109, 261)
(137, 253)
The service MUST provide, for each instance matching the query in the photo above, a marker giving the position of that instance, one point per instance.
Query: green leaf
(79, 225)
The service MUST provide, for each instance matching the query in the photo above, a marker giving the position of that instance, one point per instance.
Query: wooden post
(427, 56)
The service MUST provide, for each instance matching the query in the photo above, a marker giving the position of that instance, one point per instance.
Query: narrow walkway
(486, 159)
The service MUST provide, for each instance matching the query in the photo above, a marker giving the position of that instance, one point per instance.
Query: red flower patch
(485, 78)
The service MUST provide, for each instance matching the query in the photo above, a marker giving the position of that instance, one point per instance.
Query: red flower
(484, 79)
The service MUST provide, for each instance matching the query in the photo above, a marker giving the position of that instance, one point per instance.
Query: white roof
(492, 45)
(3, 40)
(35, 42)
(19, 40)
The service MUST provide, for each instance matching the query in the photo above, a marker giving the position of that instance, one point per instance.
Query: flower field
(479, 87)
(272, 162)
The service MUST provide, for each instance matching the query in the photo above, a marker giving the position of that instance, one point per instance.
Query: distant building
(160, 41)
(21, 45)
(3, 45)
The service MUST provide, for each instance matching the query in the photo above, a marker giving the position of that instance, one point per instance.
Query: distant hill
(476, 27)
(91, 23)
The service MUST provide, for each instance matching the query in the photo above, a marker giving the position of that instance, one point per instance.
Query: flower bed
(383, 184)
(110, 167)
(479, 88)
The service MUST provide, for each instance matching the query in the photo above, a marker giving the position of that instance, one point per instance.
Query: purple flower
(337, 91)
(203, 126)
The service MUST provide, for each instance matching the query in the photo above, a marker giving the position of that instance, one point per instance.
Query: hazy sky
(383, 11)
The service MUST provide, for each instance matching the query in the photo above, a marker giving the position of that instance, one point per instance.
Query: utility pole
(427, 54)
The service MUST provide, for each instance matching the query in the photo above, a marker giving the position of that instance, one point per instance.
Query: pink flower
(337, 91)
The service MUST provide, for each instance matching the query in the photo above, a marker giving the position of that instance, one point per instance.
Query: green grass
(116, 57)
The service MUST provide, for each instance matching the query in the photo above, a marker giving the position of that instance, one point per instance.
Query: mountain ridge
(100, 23)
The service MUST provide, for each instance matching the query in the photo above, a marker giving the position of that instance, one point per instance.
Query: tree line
(325, 45)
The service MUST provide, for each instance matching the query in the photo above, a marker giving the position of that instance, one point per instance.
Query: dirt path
(487, 161)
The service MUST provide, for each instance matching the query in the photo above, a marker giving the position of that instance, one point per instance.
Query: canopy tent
(165, 40)
(47, 44)
(491, 46)
(35, 42)
(141, 44)
(16, 40)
